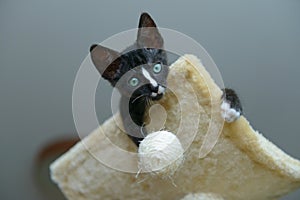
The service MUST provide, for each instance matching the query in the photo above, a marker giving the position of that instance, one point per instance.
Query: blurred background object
(255, 44)
(40, 169)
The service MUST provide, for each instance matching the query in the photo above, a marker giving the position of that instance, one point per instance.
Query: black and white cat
(140, 73)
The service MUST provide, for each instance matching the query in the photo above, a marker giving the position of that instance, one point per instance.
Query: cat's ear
(107, 61)
(148, 34)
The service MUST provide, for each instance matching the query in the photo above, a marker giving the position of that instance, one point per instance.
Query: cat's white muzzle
(161, 90)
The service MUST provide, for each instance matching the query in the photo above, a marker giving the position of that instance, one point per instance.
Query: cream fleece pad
(242, 165)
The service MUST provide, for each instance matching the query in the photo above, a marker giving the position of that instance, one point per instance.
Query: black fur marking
(93, 47)
(137, 108)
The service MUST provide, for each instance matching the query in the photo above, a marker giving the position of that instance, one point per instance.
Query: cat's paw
(229, 114)
(231, 108)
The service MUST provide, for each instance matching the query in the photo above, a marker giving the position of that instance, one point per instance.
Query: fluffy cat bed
(242, 165)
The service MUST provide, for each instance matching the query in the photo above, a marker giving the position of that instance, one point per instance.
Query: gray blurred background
(255, 44)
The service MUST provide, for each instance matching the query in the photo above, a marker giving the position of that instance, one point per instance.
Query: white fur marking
(148, 76)
(153, 94)
(229, 114)
(161, 90)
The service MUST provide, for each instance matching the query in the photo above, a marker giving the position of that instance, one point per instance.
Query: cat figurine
(140, 73)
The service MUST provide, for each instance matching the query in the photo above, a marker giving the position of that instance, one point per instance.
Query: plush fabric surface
(242, 165)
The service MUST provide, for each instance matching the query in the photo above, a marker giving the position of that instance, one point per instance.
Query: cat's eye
(134, 82)
(157, 68)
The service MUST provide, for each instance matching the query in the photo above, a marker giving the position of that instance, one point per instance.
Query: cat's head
(141, 69)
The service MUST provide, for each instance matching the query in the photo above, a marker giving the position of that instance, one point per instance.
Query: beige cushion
(242, 165)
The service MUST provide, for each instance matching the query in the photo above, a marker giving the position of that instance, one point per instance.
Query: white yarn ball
(161, 153)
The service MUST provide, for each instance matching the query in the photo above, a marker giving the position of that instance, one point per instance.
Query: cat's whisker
(149, 102)
(142, 132)
(138, 97)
